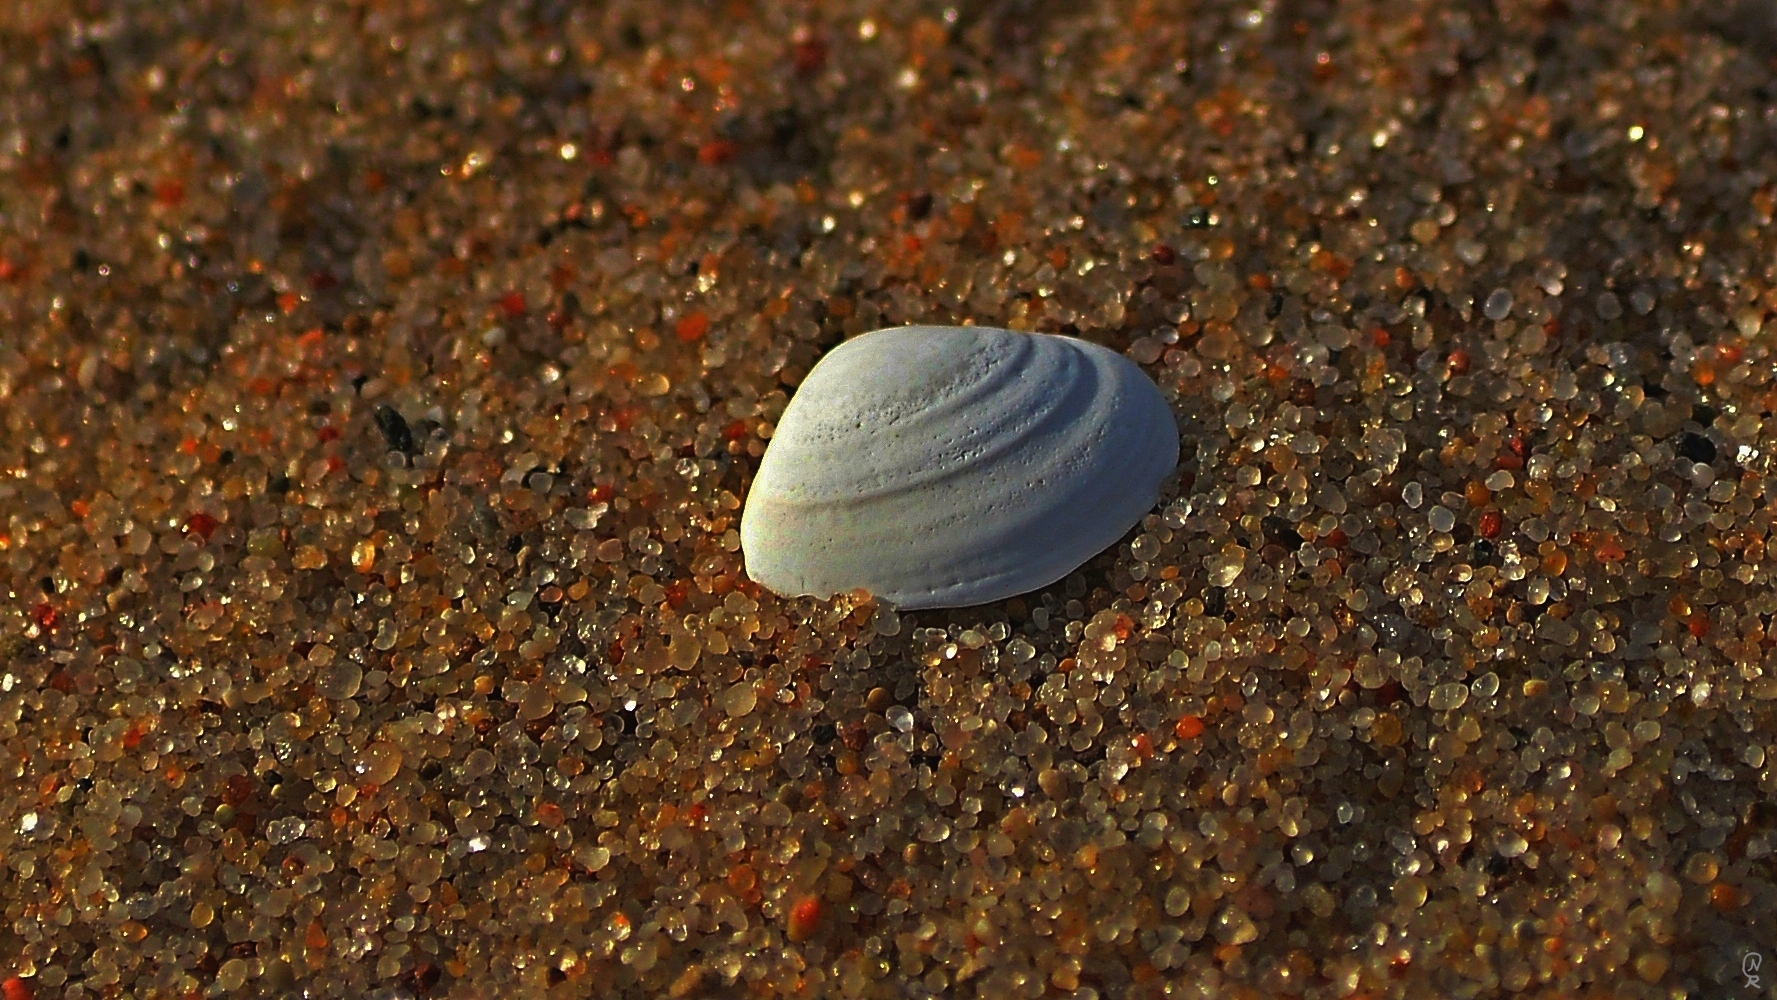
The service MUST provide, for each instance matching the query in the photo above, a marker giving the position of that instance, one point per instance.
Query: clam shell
(944, 466)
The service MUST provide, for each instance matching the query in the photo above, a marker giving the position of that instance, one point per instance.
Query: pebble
(740, 699)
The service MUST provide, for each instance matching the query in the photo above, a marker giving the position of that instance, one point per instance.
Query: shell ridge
(1026, 430)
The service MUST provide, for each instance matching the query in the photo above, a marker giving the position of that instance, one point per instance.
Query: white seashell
(944, 466)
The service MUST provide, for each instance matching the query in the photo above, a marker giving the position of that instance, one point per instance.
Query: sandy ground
(380, 383)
